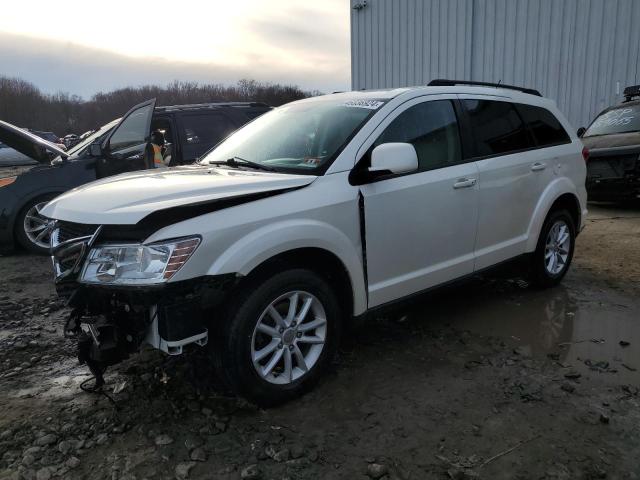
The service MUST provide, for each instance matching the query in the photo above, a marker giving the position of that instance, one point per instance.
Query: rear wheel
(31, 228)
(279, 336)
(554, 252)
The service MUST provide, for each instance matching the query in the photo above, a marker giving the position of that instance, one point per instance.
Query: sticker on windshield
(370, 104)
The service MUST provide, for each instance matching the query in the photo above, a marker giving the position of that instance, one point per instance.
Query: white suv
(311, 216)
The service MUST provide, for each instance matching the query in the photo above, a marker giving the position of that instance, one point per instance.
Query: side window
(432, 129)
(497, 127)
(546, 128)
(206, 128)
(133, 130)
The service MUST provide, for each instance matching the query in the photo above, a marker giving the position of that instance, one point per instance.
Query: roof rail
(213, 104)
(631, 92)
(440, 82)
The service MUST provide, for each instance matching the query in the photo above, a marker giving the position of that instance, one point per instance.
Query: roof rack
(441, 82)
(213, 104)
(631, 92)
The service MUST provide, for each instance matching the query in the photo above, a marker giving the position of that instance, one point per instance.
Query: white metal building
(581, 53)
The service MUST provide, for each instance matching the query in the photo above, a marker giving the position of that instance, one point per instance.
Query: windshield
(297, 138)
(623, 119)
(91, 138)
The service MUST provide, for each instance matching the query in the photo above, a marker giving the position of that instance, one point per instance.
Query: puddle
(584, 330)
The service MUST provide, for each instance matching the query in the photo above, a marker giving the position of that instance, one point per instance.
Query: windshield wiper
(236, 162)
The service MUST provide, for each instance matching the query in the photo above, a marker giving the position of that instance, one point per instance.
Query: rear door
(125, 149)
(509, 177)
(420, 227)
(199, 131)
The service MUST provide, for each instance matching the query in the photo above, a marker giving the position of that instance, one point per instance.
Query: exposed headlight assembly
(137, 264)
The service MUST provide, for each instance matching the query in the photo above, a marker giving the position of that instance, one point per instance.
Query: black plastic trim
(441, 82)
(363, 241)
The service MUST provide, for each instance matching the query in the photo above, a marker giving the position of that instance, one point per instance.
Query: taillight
(585, 154)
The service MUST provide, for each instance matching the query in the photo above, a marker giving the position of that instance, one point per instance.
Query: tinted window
(546, 128)
(497, 127)
(133, 130)
(206, 128)
(432, 128)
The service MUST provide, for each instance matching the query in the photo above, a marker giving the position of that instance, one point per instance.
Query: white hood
(128, 198)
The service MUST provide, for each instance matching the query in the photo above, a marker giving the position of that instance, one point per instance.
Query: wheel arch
(560, 194)
(321, 261)
(301, 242)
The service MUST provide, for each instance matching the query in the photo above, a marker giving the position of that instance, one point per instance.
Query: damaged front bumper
(111, 322)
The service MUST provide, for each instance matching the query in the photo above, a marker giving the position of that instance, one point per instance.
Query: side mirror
(394, 158)
(581, 131)
(95, 150)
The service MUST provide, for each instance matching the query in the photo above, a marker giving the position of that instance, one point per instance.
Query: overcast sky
(83, 47)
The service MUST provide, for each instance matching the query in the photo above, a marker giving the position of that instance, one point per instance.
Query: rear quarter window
(545, 127)
(497, 128)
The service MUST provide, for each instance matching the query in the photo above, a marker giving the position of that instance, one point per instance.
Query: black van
(117, 147)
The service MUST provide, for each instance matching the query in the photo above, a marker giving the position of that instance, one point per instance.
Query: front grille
(68, 257)
(69, 230)
(610, 167)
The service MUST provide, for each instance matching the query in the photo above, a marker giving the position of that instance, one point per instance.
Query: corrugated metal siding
(581, 53)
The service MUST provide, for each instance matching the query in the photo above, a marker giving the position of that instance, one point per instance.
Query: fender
(266, 242)
(555, 189)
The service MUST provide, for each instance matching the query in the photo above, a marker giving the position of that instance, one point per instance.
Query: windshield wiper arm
(241, 162)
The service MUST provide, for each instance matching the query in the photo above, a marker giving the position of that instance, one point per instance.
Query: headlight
(137, 264)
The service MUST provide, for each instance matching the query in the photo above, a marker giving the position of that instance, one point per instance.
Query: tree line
(24, 105)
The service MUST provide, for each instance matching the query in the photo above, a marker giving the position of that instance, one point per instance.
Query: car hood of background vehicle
(28, 144)
(128, 198)
(613, 140)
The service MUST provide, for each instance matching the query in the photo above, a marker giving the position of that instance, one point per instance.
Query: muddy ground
(486, 380)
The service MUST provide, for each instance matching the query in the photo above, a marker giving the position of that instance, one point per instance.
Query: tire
(251, 329)
(28, 217)
(552, 258)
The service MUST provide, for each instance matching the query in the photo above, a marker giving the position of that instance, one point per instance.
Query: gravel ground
(486, 380)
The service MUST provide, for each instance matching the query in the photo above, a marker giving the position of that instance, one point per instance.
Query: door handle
(536, 167)
(464, 183)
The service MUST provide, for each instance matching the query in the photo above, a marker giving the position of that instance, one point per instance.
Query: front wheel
(551, 260)
(32, 228)
(279, 336)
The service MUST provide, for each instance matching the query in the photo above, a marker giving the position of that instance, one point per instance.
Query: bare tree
(23, 104)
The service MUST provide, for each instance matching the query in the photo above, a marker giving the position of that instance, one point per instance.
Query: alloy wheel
(36, 226)
(558, 245)
(289, 337)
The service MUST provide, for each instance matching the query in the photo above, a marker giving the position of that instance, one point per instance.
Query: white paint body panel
(128, 198)
(419, 230)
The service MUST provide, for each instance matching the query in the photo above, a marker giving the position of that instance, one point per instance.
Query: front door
(420, 228)
(125, 149)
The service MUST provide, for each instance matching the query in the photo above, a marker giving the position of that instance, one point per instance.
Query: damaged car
(311, 218)
(613, 140)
